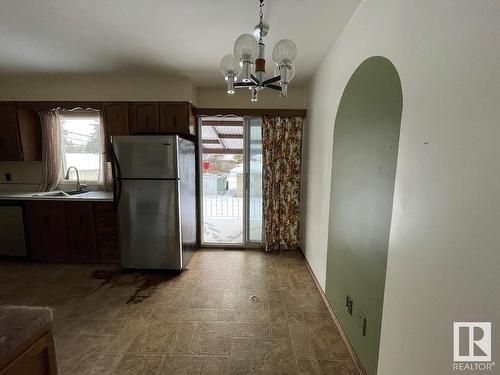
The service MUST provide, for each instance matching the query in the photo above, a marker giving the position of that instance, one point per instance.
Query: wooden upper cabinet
(20, 134)
(80, 226)
(115, 119)
(46, 228)
(10, 143)
(144, 117)
(115, 116)
(30, 130)
(176, 117)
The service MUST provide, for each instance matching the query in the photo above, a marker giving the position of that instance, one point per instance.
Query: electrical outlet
(348, 304)
(362, 323)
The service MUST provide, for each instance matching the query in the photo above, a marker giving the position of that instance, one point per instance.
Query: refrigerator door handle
(118, 193)
(117, 177)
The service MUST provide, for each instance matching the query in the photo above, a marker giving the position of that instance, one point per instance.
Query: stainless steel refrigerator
(155, 194)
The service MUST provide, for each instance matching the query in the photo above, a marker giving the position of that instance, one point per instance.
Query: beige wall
(216, 97)
(139, 87)
(444, 253)
(96, 87)
(25, 175)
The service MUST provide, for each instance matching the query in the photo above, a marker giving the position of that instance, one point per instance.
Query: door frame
(246, 176)
(246, 169)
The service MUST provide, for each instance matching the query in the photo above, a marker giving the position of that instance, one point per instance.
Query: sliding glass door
(231, 173)
(254, 181)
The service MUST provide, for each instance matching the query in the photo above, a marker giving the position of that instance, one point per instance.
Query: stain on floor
(144, 282)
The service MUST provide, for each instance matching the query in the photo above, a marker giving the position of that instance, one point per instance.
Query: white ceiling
(183, 37)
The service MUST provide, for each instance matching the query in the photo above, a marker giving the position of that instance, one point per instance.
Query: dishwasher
(12, 241)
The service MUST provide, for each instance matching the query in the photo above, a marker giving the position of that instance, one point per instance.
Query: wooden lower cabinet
(81, 230)
(46, 228)
(106, 228)
(72, 231)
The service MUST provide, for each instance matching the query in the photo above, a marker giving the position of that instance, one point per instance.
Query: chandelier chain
(261, 20)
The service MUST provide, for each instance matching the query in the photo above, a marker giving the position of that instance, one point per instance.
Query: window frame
(78, 114)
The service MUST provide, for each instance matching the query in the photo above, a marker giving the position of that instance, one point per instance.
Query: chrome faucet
(78, 186)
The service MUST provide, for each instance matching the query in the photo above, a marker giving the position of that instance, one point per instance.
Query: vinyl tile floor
(230, 312)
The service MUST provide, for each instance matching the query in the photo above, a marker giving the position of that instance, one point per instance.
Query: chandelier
(245, 67)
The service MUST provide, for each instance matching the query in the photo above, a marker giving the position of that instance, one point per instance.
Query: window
(81, 144)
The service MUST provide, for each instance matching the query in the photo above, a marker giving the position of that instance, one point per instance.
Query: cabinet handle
(147, 122)
(175, 120)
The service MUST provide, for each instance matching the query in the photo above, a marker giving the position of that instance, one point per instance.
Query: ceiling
(182, 38)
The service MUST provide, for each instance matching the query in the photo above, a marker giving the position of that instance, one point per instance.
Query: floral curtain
(282, 151)
(51, 146)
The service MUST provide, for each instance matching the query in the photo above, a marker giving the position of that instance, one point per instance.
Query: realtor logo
(472, 341)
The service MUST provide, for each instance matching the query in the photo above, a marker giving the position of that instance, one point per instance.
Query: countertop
(91, 196)
(20, 326)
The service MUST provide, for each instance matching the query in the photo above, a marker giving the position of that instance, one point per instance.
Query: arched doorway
(365, 148)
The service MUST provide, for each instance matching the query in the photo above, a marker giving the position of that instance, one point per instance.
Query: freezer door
(146, 156)
(148, 213)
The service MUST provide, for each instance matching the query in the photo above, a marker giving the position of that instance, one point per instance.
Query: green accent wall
(365, 148)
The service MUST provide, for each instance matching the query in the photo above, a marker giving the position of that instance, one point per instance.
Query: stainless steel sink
(51, 194)
(76, 192)
(60, 193)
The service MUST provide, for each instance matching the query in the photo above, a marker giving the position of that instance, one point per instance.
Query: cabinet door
(10, 145)
(46, 228)
(106, 229)
(115, 122)
(174, 117)
(30, 131)
(116, 119)
(144, 117)
(80, 225)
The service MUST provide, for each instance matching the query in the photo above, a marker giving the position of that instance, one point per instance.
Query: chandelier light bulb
(229, 65)
(284, 52)
(246, 48)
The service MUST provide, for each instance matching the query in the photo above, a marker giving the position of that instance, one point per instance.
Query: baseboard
(353, 354)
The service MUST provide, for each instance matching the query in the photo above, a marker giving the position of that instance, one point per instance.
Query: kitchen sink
(60, 193)
(52, 194)
(76, 192)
